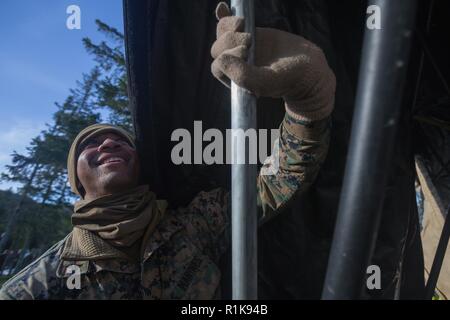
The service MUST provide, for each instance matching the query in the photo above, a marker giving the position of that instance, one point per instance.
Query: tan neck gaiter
(119, 219)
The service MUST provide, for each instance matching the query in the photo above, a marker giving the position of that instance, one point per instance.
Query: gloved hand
(286, 66)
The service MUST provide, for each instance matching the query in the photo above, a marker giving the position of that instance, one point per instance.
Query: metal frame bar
(243, 179)
(441, 249)
(382, 75)
(422, 55)
(438, 258)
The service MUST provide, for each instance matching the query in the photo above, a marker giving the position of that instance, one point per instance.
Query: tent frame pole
(438, 258)
(378, 102)
(243, 178)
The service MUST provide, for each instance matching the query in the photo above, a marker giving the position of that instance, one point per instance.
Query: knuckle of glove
(215, 70)
(232, 23)
(222, 10)
(230, 40)
(241, 52)
(227, 63)
(218, 74)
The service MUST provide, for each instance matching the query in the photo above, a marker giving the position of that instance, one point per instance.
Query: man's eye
(90, 144)
(123, 142)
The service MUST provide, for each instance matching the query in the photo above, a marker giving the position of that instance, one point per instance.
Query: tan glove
(286, 66)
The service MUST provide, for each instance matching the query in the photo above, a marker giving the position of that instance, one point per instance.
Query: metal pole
(438, 258)
(378, 100)
(243, 178)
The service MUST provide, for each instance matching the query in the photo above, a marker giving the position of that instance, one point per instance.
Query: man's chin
(116, 182)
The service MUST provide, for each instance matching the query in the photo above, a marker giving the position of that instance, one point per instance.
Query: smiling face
(107, 164)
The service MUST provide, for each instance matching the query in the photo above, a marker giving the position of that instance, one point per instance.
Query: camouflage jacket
(180, 258)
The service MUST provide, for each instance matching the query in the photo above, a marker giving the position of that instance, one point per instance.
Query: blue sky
(40, 60)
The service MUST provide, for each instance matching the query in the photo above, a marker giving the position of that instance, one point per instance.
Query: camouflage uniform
(180, 259)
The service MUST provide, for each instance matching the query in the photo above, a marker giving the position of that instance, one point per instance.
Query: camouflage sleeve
(208, 221)
(6, 295)
(37, 281)
(291, 169)
(18, 288)
(293, 166)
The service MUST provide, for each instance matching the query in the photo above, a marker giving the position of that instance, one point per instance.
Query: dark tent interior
(170, 85)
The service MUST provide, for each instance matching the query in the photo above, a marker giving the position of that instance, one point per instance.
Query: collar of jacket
(104, 256)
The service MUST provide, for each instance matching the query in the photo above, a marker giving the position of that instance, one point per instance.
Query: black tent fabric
(170, 86)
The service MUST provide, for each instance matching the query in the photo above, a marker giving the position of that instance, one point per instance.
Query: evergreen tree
(112, 86)
(45, 162)
(40, 214)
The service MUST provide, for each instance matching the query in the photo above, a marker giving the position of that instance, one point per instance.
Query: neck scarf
(119, 219)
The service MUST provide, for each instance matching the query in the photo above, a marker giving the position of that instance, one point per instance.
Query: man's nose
(108, 144)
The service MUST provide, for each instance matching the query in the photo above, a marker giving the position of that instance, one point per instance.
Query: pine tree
(41, 170)
(112, 86)
(15, 214)
(45, 162)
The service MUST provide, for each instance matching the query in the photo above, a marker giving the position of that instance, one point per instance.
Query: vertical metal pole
(438, 258)
(243, 178)
(380, 88)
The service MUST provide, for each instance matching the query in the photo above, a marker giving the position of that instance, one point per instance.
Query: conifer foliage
(37, 213)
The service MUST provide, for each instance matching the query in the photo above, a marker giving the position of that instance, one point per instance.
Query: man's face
(107, 164)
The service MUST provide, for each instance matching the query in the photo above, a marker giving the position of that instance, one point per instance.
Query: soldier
(126, 244)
